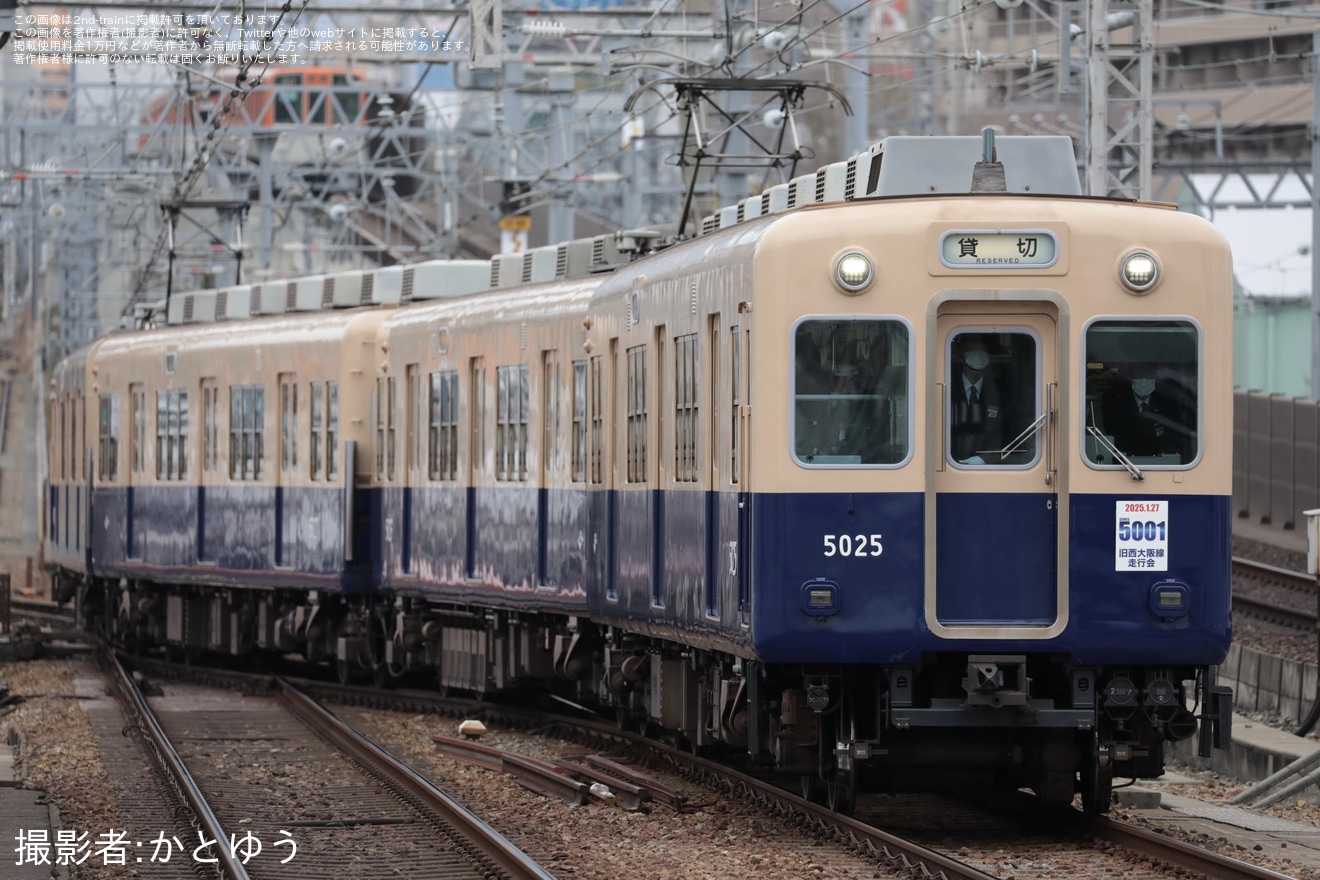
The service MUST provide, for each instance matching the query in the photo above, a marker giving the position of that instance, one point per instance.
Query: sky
(1271, 246)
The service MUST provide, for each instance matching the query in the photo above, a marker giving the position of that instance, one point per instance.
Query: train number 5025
(853, 545)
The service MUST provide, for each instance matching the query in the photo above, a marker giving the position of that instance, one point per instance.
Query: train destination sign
(992, 249)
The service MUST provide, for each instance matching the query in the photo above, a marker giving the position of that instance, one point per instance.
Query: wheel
(1097, 781)
(378, 635)
(813, 788)
(841, 791)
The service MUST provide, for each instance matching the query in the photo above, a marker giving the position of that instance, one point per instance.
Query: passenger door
(995, 507)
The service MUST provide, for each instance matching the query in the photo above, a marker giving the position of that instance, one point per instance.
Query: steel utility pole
(1315, 215)
(1123, 83)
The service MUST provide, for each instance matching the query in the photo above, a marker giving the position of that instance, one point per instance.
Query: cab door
(995, 506)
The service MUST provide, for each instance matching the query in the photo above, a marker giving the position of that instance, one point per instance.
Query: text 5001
(853, 545)
(1138, 531)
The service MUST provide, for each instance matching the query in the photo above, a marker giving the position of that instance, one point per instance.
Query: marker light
(853, 272)
(820, 598)
(1170, 599)
(1140, 272)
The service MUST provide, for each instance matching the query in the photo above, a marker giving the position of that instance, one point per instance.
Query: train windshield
(288, 100)
(1142, 384)
(348, 101)
(851, 392)
(995, 413)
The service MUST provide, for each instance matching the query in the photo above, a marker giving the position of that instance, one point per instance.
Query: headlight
(1140, 271)
(853, 272)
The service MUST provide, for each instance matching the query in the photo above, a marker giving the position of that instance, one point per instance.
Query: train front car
(990, 530)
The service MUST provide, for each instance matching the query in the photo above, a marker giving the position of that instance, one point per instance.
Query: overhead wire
(220, 121)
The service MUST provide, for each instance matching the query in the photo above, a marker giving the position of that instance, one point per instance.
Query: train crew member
(977, 424)
(1141, 414)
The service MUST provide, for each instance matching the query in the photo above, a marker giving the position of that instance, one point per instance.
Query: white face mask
(977, 360)
(1143, 387)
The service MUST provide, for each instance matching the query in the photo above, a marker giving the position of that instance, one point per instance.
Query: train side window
(247, 411)
(108, 431)
(75, 450)
(288, 423)
(236, 438)
(288, 101)
(171, 434)
(411, 393)
(331, 430)
(851, 392)
(385, 428)
(685, 408)
(444, 426)
(549, 410)
(210, 424)
(1142, 392)
(64, 440)
(317, 420)
(477, 377)
(138, 400)
(595, 395)
(636, 414)
(578, 464)
(511, 423)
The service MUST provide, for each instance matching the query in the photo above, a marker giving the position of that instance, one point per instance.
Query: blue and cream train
(911, 472)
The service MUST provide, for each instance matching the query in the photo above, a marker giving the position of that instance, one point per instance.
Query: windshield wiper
(1016, 441)
(1113, 450)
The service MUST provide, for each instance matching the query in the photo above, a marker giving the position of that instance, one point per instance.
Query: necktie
(1141, 407)
(973, 398)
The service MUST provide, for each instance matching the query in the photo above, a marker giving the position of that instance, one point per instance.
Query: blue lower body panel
(225, 536)
(802, 539)
(1004, 578)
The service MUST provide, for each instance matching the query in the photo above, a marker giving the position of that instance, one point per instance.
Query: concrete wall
(1262, 685)
(1268, 685)
(1276, 458)
(1272, 345)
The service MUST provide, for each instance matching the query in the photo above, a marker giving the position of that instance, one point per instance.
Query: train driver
(1142, 414)
(977, 415)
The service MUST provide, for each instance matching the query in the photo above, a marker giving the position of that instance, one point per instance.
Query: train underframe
(954, 722)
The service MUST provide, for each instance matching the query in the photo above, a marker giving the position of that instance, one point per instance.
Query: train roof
(899, 166)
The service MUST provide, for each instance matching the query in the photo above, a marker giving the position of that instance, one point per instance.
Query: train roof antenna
(988, 174)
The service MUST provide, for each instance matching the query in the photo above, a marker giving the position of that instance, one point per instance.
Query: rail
(1272, 611)
(173, 766)
(561, 779)
(490, 844)
(1199, 862)
(911, 857)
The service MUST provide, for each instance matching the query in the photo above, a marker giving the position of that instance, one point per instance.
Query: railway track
(1269, 608)
(313, 780)
(895, 851)
(42, 613)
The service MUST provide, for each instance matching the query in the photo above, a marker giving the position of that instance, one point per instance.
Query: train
(912, 473)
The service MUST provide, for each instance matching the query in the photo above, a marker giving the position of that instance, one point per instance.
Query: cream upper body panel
(337, 346)
(792, 278)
